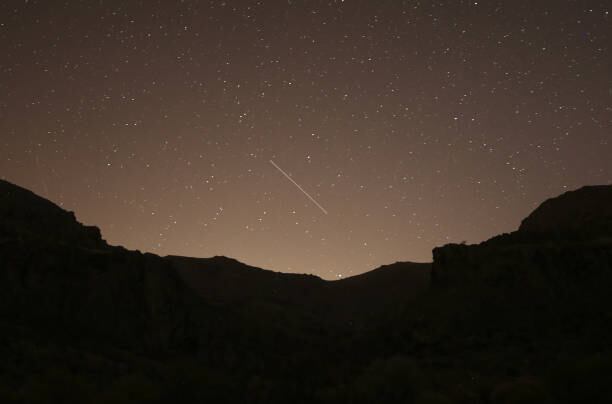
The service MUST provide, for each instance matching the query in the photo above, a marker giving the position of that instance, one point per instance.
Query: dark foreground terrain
(524, 317)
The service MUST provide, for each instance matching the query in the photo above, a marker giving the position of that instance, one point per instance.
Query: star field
(413, 123)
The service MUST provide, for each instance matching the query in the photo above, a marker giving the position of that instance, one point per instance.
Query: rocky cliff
(59, 277)
(584, 213)
(566, 239)
(27, 216)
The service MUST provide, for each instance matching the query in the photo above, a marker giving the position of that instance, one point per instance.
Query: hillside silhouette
(525, 317)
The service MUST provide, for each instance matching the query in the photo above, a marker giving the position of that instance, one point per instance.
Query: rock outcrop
(566, 239)
(27, 216)
(584, 213)
(60, 277)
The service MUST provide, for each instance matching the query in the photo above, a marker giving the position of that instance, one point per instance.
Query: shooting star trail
(298, 185)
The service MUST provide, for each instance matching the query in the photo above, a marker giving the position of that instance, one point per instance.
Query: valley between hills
(525, 317)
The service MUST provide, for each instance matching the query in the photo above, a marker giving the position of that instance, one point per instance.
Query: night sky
(411, 123)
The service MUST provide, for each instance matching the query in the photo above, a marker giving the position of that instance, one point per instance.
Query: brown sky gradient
(413, 124)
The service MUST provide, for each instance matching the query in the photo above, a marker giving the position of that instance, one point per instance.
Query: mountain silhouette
(224, 280)
(586, 212)
(28, 216)
(568, 237)
(522, 317)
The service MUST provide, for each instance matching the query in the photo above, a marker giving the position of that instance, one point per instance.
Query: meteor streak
(297, 185)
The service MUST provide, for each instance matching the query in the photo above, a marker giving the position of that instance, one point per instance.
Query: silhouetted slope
(59, 276)
(400, 278)
(26, 215)
(122, 297)
(374, 293)
(565, 239)
(226, 280)
(586, 212)
(533, 302)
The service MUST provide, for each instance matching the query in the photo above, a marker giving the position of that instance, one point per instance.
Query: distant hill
(224, 280)
(377, 292)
